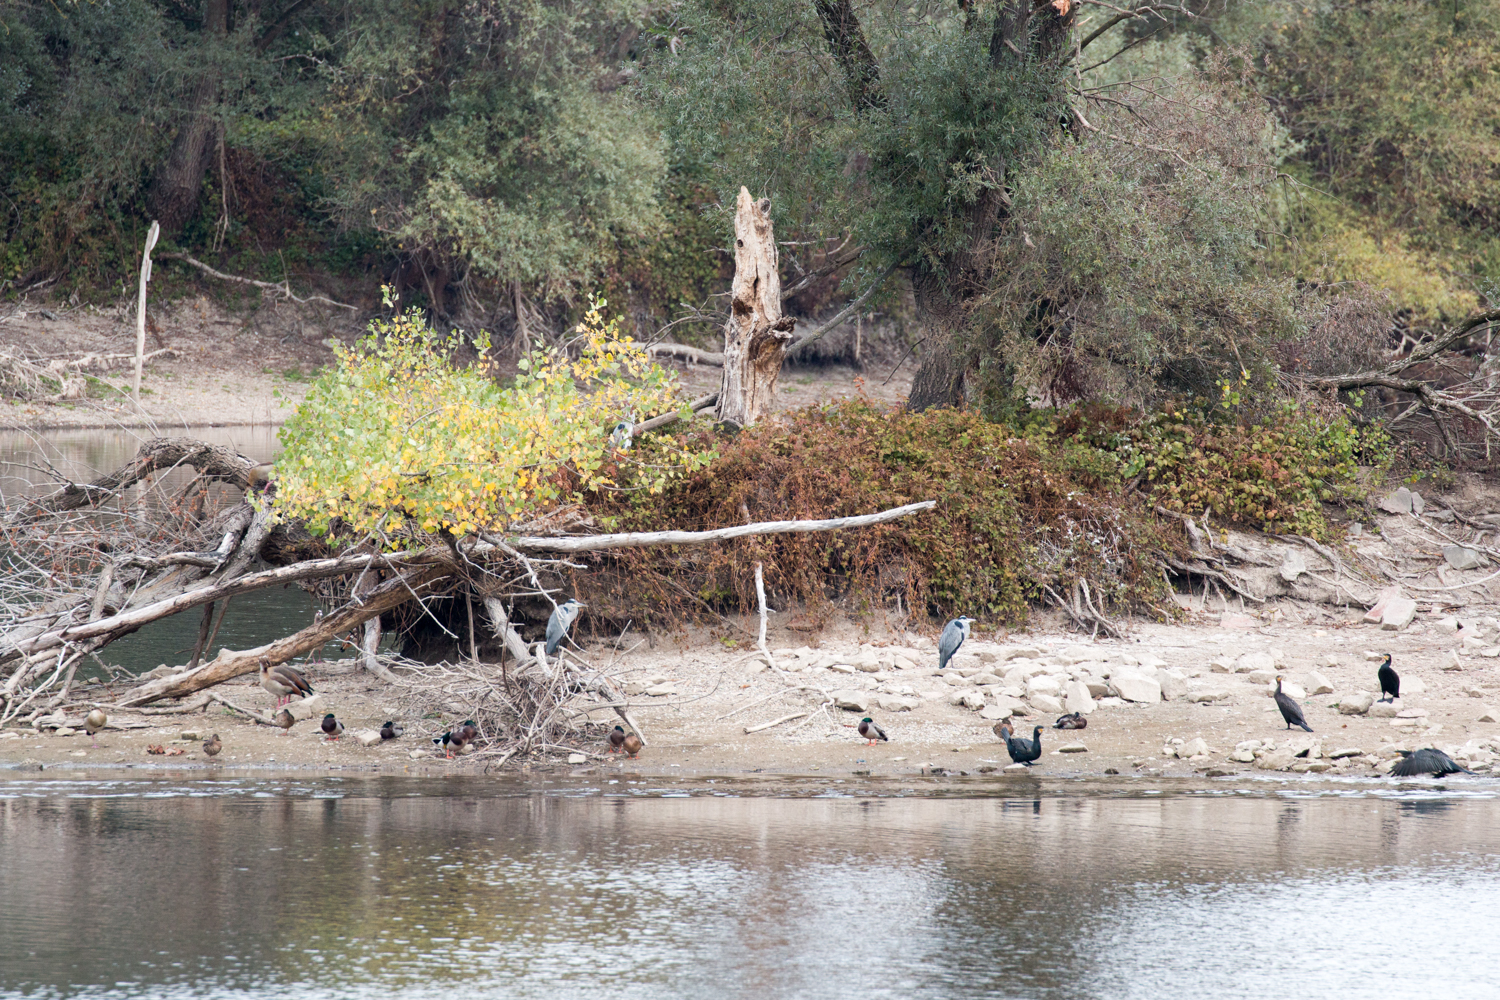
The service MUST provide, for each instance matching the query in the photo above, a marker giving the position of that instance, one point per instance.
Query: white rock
(302, 709)
(1413, 685)
(1046, 704)
(1332, 660)
(419, 754)
(1398, 614)
(1078, 699)
(851, 700)
(1356, 704)
(1462, 557)
(1243, 756)
(1293, 689)
(1383, 710)
(1472, 641)
(953, 679)
(1261, 677)
(1192, 748)
(986, 679)
(1221, 665)
(662, 690)
(842, 668)
(967, 699)
(1412, 713)
(577, 758)
(1318, 684)
(1043, 684)
(1210, 692)
(1293, 565)
(1072, 748)
(1448, 624)
(898, 703)
(1135, 687)
(1345, 752)
(1098, 688)
(1018, 652)
(1399, 502)
(1488, 715)
(1254, 661)
(367, 737)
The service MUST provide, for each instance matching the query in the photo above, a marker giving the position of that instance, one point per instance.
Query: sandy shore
(706, 697)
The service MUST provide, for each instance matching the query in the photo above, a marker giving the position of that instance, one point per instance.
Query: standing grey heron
(954, 634)
(562, 619)
(621, 437)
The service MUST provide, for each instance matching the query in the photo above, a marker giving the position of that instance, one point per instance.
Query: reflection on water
(84, 455)
(400, 887)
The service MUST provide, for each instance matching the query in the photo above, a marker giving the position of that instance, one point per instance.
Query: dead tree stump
(757, 335)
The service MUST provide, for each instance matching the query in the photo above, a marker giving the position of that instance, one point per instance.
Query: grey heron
(954, 634)
(562, 619)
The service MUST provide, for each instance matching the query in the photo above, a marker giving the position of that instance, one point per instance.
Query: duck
(953, 635)
(1022, 751)
(616, 739)
(391, 730)
(1073, 720)
(872, 732)
(1427, 761)
(284, 721)
(283, 681)
(1290, 710)
(633, 745)
(93, 722)
(333, 727)
(212, 745)
(1390, 681)
(458, 738)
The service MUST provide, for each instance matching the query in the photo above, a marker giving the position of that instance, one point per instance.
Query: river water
(241, 884)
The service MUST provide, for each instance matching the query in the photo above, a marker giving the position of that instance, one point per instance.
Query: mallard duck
(1390, 681)
(459, 738)
(1073, 720)
(1290, 710)
(93, 722)
(953, 635)
(1022, 751)
(333, 727)
(1428, 761)
(391, 730)
(872, 732)
(616, 739)
(283, 681)
(561, 620)
(284, 721)
(633, 745)
(212, 746)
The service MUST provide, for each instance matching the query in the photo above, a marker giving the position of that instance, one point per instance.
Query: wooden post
(152, 235)
(756, 336)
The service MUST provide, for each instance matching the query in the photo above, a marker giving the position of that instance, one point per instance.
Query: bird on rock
(93, 722)
(1429, 761)
(1390, 681)
(284, 721)
(391, 730)
(1290, 710)
(1022, 751)
(562, 619)
(616, 739)
(332, 727)
(633, 745)
(953, 635)
(212, 746)
(1073, 720)
(872, 732)
(283, 681)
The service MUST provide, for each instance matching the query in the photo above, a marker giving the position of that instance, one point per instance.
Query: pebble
(578, 758)
(64, 731)
(1072, 748)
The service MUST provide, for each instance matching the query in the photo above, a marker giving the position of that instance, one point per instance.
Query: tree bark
(757, 335)
(173, 197)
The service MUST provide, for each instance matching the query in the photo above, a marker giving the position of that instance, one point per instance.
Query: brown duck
(633, 745)
(212, 746)
(94, 722)
(283, 681)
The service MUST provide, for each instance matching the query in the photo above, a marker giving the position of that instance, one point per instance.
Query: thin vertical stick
(760, 595)
(152, 235)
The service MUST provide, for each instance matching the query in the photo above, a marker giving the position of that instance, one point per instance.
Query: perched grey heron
(954, 634)
(562, 619)
(620, 438)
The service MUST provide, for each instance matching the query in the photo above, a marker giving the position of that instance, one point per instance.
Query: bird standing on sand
(1429, 761)
(458, 738)
(283, 681)
(1022, 751)
(391, 730)
(616, 739)
(1290, 710)
(93, 722)
(284, 721)
(212, 746)
(633, 745)
(953, 636)
(872, 732)
(1390, 681)
(333, 727)
(562, 619)
(1073, 720)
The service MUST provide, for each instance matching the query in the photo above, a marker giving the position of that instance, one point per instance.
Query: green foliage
(400, 445)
